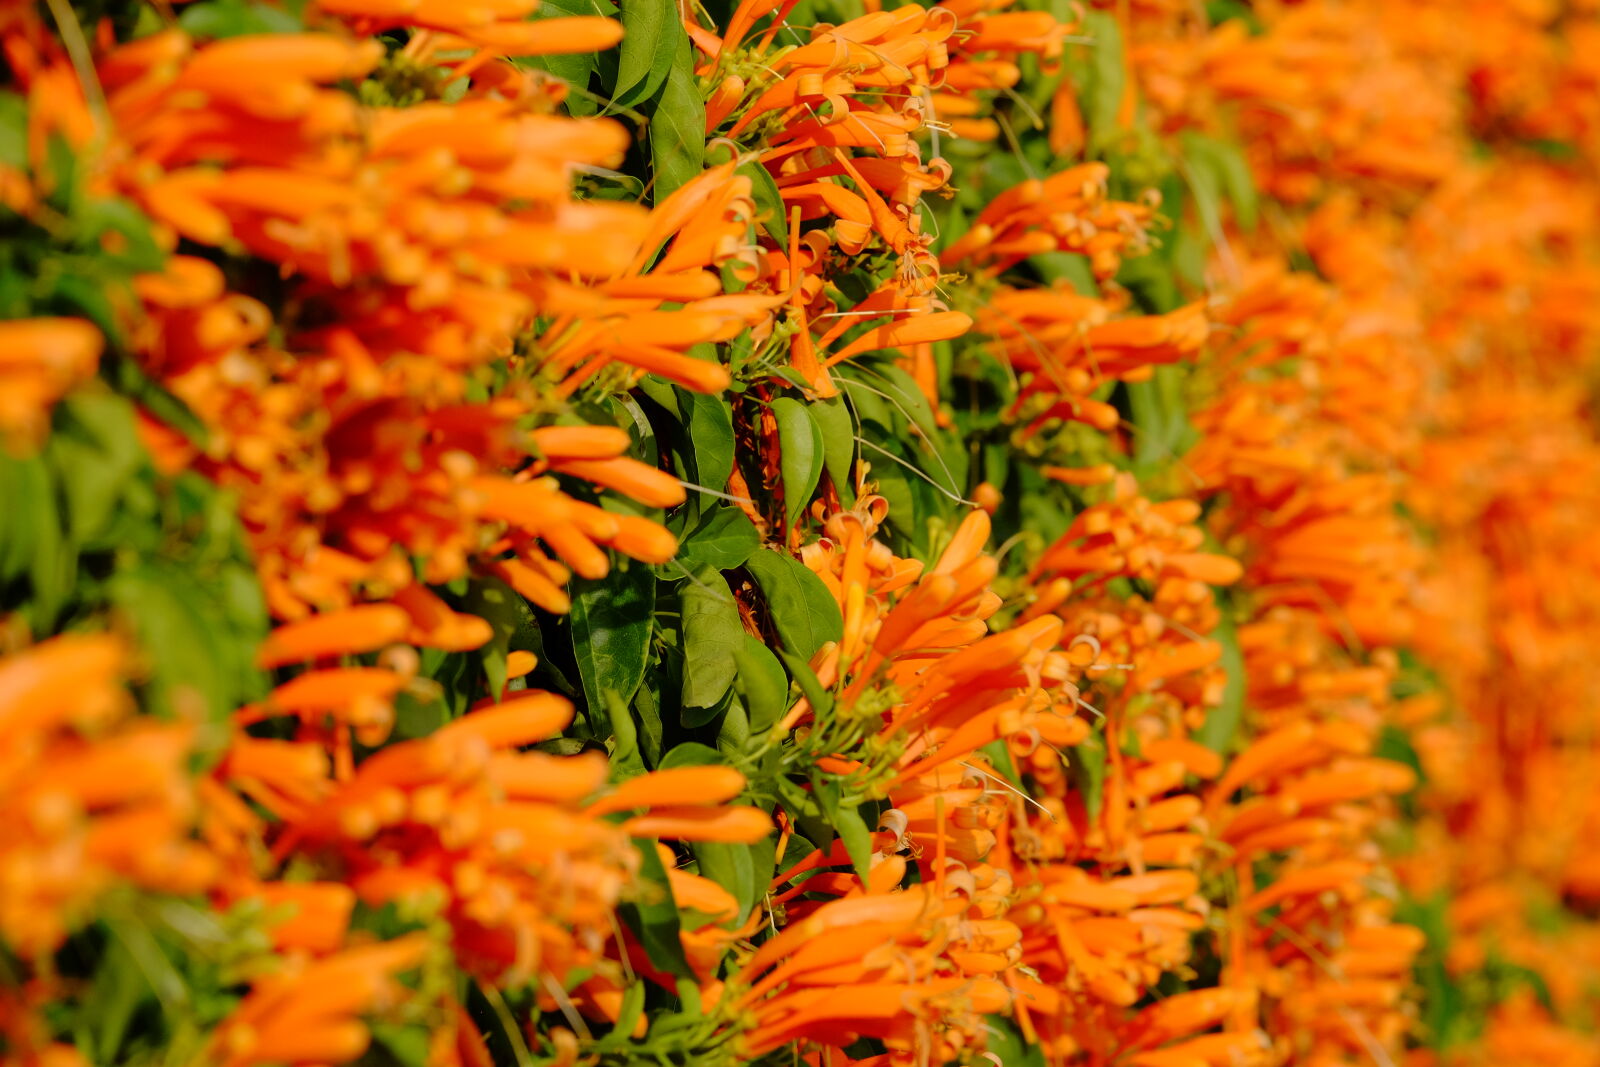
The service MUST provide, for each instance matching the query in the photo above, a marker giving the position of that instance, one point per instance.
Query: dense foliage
(775, 531)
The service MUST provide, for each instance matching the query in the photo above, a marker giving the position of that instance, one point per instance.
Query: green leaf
(801, 459)
(119, 989)
(1069, 267)
(648, 51)
(1007, 1045)
(507, 614)
(998, 754)
(1234, 172)
(904, 395)
(820, 699)
(732, 867)
(235, 18)
(181, 641)
(733, 735)
(626, 761)
(107, 216)
(89, 296)
(1107, 77)
(628, 1016)
(574, 68)
(712, 631)
(711, 436)
(802, 610)
(131, 381)
(723, 540)
(403, 1046)
(1162, 418)
(832, 417)
(653, 914)
(20, 479)
(13, 130)
(651, 732)
(847, 822)
(691, 754)
(677, 133)
(869, 406)
(1222, 722)
(612, 619)
(96, 450)
(770, 210)
(1088, 766)
(798, 801)
(762, 684)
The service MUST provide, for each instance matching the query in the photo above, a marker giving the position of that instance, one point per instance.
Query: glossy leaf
(647, 52)
(723, 540)
(802, 610)
(654, 914)
(677, 134)
(762, 683)
(801, 455)
(712, 631)
(710, 431)
(611, 625)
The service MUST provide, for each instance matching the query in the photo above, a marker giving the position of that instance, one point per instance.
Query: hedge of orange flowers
(800, 531)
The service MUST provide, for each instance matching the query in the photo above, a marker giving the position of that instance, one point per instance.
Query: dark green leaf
(733, 736)
(711, 437)
(21, 480)
(998, 754)
(118, 991)
(712, 632)
(723, 540)
(1233, 173)
(13, 130)
(401, 1046)
(869, 406)
(847, 822)
(820, 699)
(1222, 722)
(762, 683)
(1161, 416)
(653, 914)
(770, 209)
(691, 754)
(235, 18)
(33, 544)
(677, 133)
(96, 451)
(90, 297)
(1007, 1045)
(180, 640)
(902, 394)
(648, 49)
(626, 759)
(507, 614)
(1069, 267)
(651, 732)
(139, 251)
(801, 457)
(832, 417)
(731, 867)
(1107, 78)
(574, 68)
(1088, 765)
(802, 610)
(611, 624)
